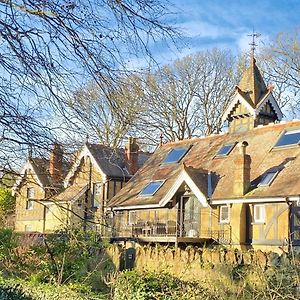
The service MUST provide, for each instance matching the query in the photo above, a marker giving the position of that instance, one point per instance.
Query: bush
(131, 285)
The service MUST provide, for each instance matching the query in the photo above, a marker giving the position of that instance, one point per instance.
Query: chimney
(242, 164)
(131, 155)
(55, 164)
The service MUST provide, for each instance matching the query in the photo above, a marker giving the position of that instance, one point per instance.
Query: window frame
(275, 172)
(228, 152)
(221, 220)
(262, 213)
(285, 131)
(132, 217)
(152, 181)
(99, 192)
(187, 148)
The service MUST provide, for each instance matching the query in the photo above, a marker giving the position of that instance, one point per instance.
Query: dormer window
(175, 155)
(151, 188)
(225, 150)
(288, 138)
(268, 178)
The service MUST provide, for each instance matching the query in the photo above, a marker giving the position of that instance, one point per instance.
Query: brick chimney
(131, 155)
(242, 164)
(55, 163)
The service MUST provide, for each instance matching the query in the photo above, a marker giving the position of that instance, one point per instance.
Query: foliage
(7, 202)
(131, 285)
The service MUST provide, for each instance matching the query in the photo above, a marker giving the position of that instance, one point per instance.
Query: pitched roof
(111, 162)
(201, 159)
(72, 193)
(252, 84)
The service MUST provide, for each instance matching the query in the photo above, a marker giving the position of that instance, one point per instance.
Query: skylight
(225, 150)
(151, 188)
(268, 178)
(175, 155)
(290, 137)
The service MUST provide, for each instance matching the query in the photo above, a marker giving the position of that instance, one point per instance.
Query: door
(295, 225)
(189, 216)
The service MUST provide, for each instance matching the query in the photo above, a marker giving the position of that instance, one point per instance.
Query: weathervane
(254, 36)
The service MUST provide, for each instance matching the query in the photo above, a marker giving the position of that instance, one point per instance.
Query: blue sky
(226, 24)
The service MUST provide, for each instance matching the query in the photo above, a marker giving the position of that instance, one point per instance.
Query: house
(40, 179)
(48, 198)
(96, 175)
(240, 188)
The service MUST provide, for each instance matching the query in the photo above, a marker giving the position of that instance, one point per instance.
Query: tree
(49, 48)
(281, 65)
(188, 97)
(7, 205)
(108, 116)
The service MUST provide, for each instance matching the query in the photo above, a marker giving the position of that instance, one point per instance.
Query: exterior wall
(240, 122)
(56, 217)
(34, 217)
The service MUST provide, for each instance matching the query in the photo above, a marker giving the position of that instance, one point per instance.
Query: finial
(87, 138)
(253, 45)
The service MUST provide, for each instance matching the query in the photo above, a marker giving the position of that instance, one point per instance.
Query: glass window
(132, 217)
(151, 188)
(290, 137)
(97, 193)
(29, 204)
(175, 155)
(268, 178)
(30, 193)
(28, 228)
(224, 214)
(259, 213)
(225, 150)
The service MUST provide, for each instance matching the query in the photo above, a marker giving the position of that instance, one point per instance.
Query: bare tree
(281, 65)
(107, 116)
(50, 48)
(188, 98)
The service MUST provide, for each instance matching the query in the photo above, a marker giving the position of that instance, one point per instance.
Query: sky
(226, 24)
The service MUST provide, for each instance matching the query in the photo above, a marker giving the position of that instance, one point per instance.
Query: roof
(111, 162)
(252, 84)
(72, 193)
(201, 159)
(40, 168)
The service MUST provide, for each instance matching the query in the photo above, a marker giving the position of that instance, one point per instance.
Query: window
(30, 195)
(225, 150)
(175, 155)
(151, 188)
(289, 138)
(28, 228)
(132, 217)
(97, 193)
(259, 213)
(224, 214)
(268, 178)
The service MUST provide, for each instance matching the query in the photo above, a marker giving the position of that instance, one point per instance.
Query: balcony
(171, 225)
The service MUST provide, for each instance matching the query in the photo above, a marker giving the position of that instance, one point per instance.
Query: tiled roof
(201, 159)
(252, 84)
(72, 193)
(41, 169)
(112, 161)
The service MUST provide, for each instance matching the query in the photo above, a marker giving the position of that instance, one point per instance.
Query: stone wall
(194, 262)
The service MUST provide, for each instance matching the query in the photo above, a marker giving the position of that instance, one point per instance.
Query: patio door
(295, 225)
(189, 216)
